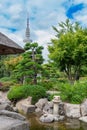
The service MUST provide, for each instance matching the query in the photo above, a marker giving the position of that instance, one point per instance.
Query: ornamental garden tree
(30, 66)
(69, 49)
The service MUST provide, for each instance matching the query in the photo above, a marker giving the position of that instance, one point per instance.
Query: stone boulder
(84, 108)
(47, 118)
(3, 98)
(3, 101)
(59, 118)
(25, 106)
(41, 103)
(48, 108)
(12, 121)
(83, 118)
(72, 110)
(12, 115)
(61, 109)
(6, 106)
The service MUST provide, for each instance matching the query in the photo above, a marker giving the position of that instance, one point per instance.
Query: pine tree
(30, 66)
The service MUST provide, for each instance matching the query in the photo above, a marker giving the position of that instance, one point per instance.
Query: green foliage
(74, 93)
(20, 92)
(69, 50)
(50, 71)
(6, 82)
(3, 71)
(47, 84)
(5, 79)
(5, 86)
(30, 65)
(51, 96)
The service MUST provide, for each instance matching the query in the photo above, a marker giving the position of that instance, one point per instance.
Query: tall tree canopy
(30, 65)
(69, 49)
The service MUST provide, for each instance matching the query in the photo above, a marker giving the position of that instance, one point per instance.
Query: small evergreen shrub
(20, 92)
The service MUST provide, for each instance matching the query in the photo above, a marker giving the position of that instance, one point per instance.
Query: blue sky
(43, 15)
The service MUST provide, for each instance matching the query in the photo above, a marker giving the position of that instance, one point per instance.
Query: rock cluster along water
(49, 111)
(64, 110)
(10, 120)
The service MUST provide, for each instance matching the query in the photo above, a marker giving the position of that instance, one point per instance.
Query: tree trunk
(35, 79)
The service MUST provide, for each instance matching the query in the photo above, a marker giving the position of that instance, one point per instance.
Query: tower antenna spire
(27, 32)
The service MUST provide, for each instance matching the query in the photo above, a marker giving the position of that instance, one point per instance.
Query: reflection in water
(69, 124)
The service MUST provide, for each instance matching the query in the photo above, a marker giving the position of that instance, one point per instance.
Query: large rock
(47, 118)
(6, 106)
(25, 106)
(59, 118)
(41, 103)
(72, 110)
(48, 108)
(61, 108)
(84, 119)
(84, 108)
(12, 121)
(12, 115)
(8, 123)
(3, 97)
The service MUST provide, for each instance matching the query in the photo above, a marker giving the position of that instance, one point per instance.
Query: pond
(69, 124)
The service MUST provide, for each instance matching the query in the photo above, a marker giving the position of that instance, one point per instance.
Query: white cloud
(15, 9)
(43, 37)
(43, 14)
(79, 1)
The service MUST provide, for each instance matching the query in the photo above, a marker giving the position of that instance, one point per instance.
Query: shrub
(74, 93)
(6, 83)
(62, 80)
(16, 93)
(20, 92)
(4, 79)
(5, 86)
(47, 84)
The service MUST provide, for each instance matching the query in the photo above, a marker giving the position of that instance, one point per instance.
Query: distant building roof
(8, 46)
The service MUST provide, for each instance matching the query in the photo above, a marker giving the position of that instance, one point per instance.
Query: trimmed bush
(20, 92)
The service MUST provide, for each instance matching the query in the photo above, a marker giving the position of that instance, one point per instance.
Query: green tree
(69, 49)
(50, 71)
(30, 66)
(11, 62)
(3, 71)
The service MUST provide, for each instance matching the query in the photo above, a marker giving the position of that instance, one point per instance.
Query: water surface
(69, 124)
